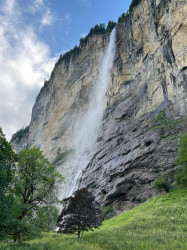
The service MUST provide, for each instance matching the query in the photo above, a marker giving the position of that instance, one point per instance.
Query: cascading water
(86, 136)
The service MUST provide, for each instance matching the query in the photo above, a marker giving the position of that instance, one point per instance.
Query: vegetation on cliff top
(159, 223)
(96, 30)
(20, 134)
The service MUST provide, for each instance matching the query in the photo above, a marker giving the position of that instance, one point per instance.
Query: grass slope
(160, 223)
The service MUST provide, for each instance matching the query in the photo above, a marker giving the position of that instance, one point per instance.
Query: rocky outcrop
(147, 104)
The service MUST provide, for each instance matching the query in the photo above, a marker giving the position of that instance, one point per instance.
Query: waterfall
(86, 135)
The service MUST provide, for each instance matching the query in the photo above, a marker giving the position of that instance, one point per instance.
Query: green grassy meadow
(160, 223)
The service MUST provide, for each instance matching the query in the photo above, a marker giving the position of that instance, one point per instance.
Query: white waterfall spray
(86, 136)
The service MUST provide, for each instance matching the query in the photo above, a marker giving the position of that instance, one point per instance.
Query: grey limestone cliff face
(146, 109)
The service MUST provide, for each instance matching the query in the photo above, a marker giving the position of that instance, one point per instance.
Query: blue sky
(33, 33)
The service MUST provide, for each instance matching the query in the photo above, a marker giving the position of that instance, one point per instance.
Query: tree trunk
(79, 234)
(20, 235)
(20, 238)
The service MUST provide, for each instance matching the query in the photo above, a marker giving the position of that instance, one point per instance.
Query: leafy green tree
(123, 17)
(46, 218)
(133, 4)
(110, 26)
(161, 183)
(181, 177)
(80, 213)
(7, 169)
(36, 183)
(20, 134)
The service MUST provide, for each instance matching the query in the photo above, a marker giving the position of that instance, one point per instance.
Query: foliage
(80, 213)
(35, 184)
(7, 169)
(46, 218)
(133, 4)
(161, 183)
(159, 223)
(161, 123)
(20, 134)
(62, 156)
(69, 54)
(96, 30)
(123, 17)
(107, 212)
(110, 26)
(181, 177)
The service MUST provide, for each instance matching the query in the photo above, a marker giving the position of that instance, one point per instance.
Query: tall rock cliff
(146, 104)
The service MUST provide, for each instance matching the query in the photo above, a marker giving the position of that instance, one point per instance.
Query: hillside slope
(160, 223)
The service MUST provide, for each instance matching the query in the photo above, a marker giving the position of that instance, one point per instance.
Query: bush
(181, 177)
(161, 183)
(107, 212)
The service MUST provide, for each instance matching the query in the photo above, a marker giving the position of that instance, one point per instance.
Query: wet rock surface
(131, 154)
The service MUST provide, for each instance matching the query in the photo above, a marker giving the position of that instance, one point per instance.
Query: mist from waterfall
(86, 134)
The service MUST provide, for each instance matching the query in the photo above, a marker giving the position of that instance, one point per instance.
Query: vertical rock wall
(147, 104)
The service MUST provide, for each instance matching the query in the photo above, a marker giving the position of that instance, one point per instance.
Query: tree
(181, 177)
(80, 213)
(7, 169)
(35, 184)
(133, 4)
(110, 26)
(46, 218)
(161, 183)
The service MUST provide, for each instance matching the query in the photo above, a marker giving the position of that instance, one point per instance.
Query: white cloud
(39, 2)
(47, 18)
(86, 3)
(67, 17)
(8, 6)
(24, 63)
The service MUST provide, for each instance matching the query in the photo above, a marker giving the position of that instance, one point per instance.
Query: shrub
(161, 183)
(181, 177)
(107, 212)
